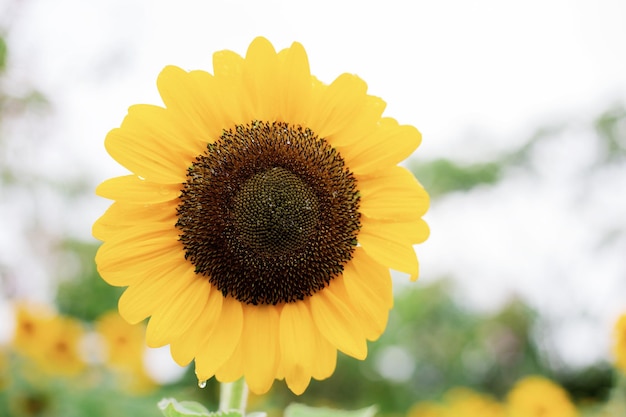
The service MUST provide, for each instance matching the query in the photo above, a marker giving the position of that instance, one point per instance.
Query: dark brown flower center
(275, 212)
(269, 213)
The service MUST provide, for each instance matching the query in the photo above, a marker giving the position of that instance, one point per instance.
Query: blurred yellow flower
(262, 215)
(51, 341)
(124, 351)
(536, 396)
(460, 402)
(619, 343)
(61, 353)
(124, 343)
(32, 404)
(32, 328)
(137, 381)
(464, 402)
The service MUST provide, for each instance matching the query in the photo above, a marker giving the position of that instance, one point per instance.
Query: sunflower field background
(456, 344)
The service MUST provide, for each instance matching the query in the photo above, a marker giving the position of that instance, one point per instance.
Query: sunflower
(124, 343)
(61, 354)
(262, 216)
(124, 351)
(51, 341)
(459, 402)
(32, 328)
(536, 396)
(470, 403)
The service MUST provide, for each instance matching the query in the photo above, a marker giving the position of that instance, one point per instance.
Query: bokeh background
(522, 107)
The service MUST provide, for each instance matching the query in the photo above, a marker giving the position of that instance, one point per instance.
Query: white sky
(486, 69)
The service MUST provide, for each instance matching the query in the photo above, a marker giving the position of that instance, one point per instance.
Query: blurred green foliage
(3, 54)
(95, 394)
(611, 129)
(85, 295)
(443, 176)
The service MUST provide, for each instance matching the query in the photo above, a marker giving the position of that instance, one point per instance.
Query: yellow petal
(368, 285)
(260, 346)
(297, 345)
(370, 327)
(145, 297)
(259, 78)
(222, 112)
(393, 194)
(295, 85)
(232, 369)
(178, 313)
(121, 216)
(184, 348)
(220, 344)
(335, 106)
(193, 100)
(385, 146)
(227, 64)
(365, 121)
(228, 69)
(162, 127)
(138, 253)
(154, 145)
(336, 322)
(368, 281)
(280, 370)
(390, 243)
(325, 358)
(133, 189)
(298, 379)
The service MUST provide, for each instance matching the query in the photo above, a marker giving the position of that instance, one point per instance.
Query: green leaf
(301, 410)
(172, 408)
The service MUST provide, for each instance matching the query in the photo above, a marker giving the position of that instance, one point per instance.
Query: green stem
(234, 396)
